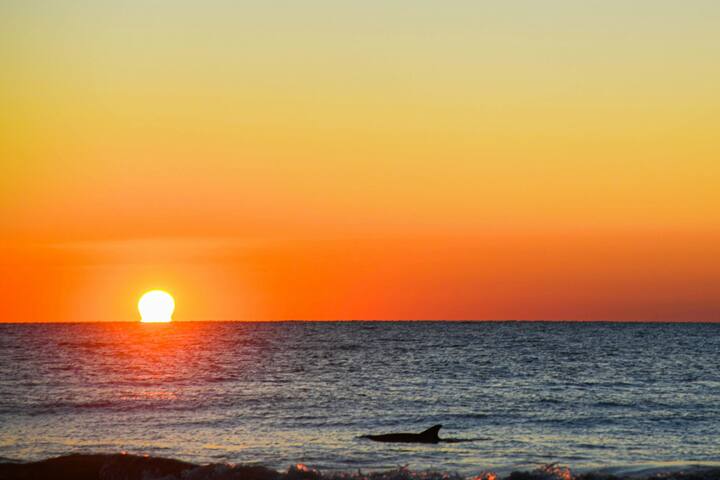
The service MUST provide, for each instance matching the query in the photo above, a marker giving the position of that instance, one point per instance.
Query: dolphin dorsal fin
(432, 432)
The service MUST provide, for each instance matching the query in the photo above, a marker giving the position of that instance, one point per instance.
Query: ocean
(613, 397)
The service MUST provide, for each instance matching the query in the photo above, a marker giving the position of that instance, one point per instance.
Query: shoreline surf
(116, 466)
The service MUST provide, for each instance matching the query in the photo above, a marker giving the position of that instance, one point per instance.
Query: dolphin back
(428, 436)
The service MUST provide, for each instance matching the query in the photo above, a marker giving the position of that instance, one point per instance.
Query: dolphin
(428, 436)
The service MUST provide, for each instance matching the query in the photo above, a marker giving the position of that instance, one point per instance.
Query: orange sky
(355, 160)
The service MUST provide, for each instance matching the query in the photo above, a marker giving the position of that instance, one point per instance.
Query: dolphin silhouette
(428, 436)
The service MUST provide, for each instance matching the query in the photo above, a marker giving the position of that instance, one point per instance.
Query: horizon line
(421, 320)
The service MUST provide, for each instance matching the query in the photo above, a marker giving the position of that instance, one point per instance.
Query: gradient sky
(360, 160)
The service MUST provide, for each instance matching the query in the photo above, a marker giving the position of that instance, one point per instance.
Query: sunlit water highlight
(588, 395)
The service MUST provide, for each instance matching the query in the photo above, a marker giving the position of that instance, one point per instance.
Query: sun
(156, 306)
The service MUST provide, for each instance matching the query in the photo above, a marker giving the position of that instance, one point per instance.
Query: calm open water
(587, 395)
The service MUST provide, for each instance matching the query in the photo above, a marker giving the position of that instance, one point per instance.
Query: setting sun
(156, 306)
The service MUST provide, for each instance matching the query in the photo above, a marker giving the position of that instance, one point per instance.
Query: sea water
(586, 395)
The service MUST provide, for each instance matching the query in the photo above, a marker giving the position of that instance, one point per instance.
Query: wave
(135, 467)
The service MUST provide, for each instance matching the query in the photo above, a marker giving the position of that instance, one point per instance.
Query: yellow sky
(312, 141)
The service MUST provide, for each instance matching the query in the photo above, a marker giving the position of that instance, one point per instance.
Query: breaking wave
(134, 467)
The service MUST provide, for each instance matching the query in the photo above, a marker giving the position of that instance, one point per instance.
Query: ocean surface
(612, 396)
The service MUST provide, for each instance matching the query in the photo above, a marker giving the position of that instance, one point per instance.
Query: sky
(326, 160)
